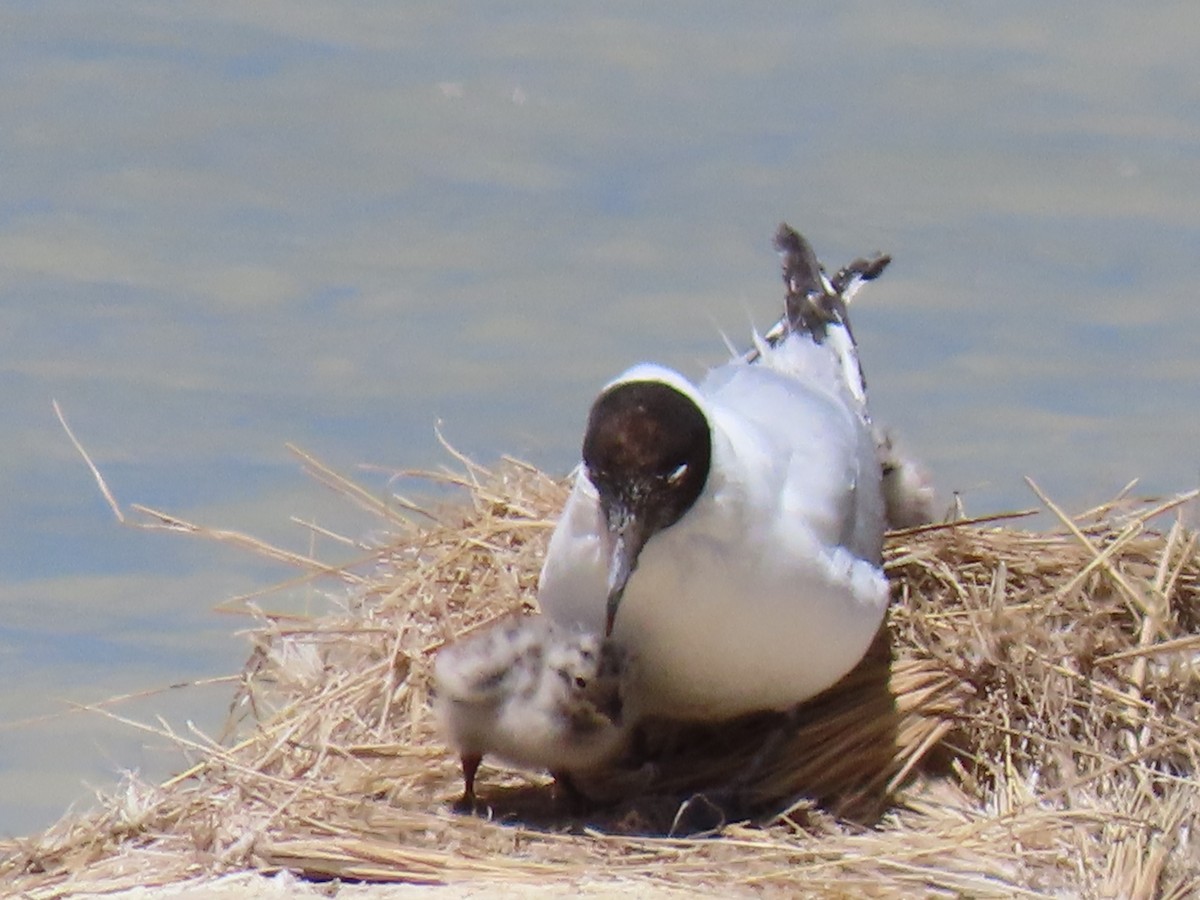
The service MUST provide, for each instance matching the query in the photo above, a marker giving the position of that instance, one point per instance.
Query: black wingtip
(861, 269)
(815, 301)
(801, 269)
(810, 307)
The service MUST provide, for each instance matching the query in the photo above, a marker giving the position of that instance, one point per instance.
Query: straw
(1026, 725)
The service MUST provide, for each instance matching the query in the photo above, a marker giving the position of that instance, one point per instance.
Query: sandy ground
(251, 886)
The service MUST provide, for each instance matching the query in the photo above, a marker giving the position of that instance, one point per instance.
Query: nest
(1027, 724)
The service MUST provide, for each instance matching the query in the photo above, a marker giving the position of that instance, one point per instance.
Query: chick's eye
(580, 681)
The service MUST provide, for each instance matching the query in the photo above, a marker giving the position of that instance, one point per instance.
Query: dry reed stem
(1025, 726)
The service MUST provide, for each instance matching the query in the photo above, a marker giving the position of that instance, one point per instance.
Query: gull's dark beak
(627, 535)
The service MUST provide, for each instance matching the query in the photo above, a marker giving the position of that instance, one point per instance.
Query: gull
(534, 694)
(729, 534)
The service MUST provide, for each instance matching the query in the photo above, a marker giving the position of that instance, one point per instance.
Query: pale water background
(228, 225)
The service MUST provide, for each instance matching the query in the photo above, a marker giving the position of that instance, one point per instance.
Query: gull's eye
(678, 473)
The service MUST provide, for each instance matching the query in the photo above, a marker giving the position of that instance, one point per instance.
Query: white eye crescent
(679, 472)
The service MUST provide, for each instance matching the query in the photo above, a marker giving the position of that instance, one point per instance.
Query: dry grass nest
(1028, 724)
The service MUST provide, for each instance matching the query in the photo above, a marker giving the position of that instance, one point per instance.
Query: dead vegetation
(1028, 725)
